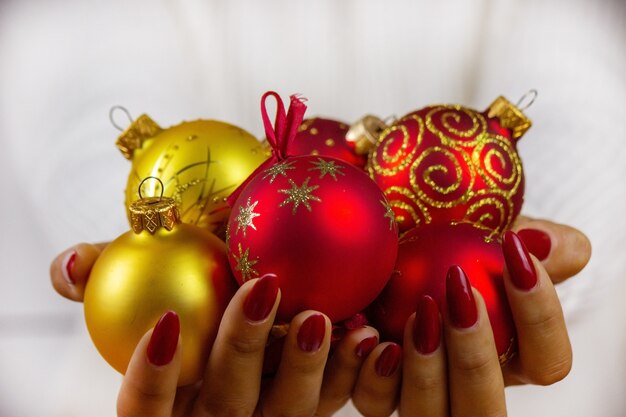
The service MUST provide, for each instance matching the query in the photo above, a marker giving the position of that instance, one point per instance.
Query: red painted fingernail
(311, 333)
(518, 262)
(427, 327)
(366, 346)
(261, 298)
(68, 267)
(537, 242)
(389, 360)
(460, 299)
(162, 345)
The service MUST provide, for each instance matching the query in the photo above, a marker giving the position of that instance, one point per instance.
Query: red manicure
(427, 327)
(162, 345)
(461, 303)
(537, 242)
(366, 346)
(69, 267)
(518, 262)
(389, 360)
(311, 333)
(261, 298)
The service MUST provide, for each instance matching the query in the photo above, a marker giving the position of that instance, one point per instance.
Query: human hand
(450, 365)
(303, 385)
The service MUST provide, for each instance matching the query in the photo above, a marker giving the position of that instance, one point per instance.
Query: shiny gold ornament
(200, 162)
(364, 133)
(160, 265)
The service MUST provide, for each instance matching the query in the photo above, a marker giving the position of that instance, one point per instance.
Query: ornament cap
(136, 134)
(510, 116)
(152, 213)
(364, 133)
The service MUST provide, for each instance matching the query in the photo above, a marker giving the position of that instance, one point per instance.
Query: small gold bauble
(160, 265)
(200, 162)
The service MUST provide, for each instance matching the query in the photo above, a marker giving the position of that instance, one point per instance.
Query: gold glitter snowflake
(300, 195)
(327, 167)
(278, 169)
(246, 216)
(245, 265)
(388, 213)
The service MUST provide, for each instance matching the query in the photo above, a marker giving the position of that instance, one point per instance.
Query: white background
(63, 64)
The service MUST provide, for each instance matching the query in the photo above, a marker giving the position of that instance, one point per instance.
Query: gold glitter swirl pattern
(399, 159)
(491, 210)
(429, 187)
(402, 208)
(496, 149)
(446, 122)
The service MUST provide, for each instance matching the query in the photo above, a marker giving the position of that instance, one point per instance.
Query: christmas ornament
(326, 137)
(450, 163)
(160, 265)
(201, 162)
(320, 224)
(424, 257)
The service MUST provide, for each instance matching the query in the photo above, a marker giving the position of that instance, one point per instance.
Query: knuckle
(426, 383)
(476, 364)
(295, 412)
(227, 407)
(549, 375)
(246, 345)
(305, 366)
(543, 323)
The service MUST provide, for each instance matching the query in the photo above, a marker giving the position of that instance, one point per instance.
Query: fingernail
(366, 346)
(518, 262)
(311, 333)
(389, 360)
(537, 242)
(68, 267)
(460, 299)
(261, 298)
(427, 328)
(164, 340)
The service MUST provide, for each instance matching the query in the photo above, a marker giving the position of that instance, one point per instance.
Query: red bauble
(326, 137)
(445, 164)
(320, 224)
(424, 257)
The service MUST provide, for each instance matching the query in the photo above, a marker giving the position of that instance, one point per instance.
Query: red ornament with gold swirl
(449, 163)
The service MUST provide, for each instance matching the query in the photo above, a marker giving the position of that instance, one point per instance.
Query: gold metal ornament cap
(153, 213)
(510, 116)
(365, 132)
(136, 134)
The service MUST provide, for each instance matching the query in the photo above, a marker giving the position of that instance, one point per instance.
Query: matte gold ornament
(160, 265)
(200, 162)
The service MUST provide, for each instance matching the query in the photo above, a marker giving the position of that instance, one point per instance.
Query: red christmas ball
(448, 163)
(424, 257)
(326, 137)
(320, 224)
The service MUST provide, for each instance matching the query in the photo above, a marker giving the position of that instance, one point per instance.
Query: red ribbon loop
(279, 136)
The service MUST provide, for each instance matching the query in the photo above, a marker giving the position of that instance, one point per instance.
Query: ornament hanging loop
(144, 180)
(112, 119)
(530, 96)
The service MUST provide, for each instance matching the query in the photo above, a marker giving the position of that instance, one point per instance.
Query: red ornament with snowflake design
(320, 224)
(449, 163)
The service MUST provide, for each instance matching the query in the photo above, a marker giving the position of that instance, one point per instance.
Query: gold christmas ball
(160, 265)
(200, 163)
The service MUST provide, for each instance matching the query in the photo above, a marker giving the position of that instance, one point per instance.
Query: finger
(475, 379)
(376, 390)
(343, 369)
(233, 375)
(545, 354)
(563, 250)
(295, 390)
(149, 386)
(70, 270)
(424, 389)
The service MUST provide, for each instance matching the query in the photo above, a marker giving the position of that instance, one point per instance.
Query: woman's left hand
(449, 365)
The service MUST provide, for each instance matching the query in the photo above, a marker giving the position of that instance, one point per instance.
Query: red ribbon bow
(279, 136)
